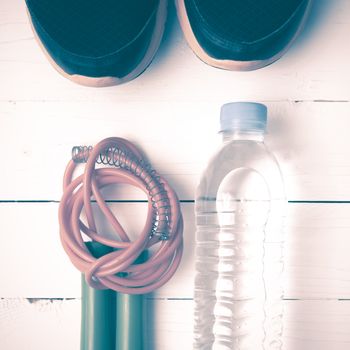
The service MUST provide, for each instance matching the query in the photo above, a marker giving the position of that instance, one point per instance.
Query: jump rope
(130, 268)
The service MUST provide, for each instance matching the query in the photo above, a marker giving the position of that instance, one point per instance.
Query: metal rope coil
(163, 228)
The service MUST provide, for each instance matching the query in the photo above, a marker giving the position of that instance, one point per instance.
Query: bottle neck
(242, 135)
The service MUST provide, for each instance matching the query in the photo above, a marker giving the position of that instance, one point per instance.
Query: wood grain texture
(172, 112)
(309, 71)
(316, 252)
(309, 139)
(308, 325)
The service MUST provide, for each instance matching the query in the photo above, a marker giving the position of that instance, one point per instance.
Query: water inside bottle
(236, 301)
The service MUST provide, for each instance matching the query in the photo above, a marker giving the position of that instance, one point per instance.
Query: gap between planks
(36, 300)
(34, 201)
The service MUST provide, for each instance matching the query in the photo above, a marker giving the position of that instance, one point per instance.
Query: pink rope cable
(162, 230)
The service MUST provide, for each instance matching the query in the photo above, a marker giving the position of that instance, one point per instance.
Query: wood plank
(316, 254)
(45, 324)
(310, 141)
(312, 69)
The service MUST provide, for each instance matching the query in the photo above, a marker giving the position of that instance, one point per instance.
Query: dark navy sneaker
(99, 42)
(241, 34)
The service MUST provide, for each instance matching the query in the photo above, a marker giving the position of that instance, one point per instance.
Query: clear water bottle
(240, 209)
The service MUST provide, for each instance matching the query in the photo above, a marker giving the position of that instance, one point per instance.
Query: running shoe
(241, 34)
(98, 42)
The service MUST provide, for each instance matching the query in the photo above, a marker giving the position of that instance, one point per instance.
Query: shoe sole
(110, 80)
(230, 64)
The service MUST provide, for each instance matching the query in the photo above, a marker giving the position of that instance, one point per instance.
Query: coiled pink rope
(162, 230)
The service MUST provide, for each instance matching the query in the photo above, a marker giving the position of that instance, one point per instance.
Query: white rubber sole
(229, 64)
(108, 80)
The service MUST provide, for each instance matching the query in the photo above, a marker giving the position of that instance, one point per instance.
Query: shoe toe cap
(94, 39)
(248, 32)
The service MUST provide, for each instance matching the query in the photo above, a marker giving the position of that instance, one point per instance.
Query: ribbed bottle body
(240, 206)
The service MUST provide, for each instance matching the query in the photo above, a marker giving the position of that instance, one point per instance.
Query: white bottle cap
(243, 116)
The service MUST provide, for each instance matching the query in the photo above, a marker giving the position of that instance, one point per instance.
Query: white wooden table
(172, 113)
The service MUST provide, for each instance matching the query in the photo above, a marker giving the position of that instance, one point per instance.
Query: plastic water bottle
(240, 209)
